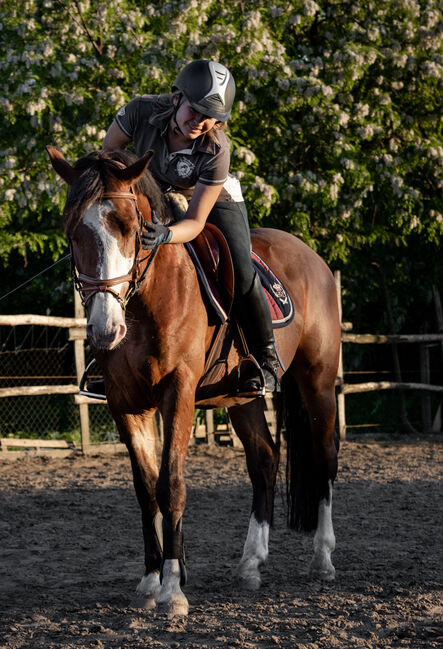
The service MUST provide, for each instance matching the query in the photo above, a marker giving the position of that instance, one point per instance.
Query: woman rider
(185, 130)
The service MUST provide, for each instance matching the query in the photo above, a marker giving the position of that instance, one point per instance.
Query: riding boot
(96, 387)
(254, 318)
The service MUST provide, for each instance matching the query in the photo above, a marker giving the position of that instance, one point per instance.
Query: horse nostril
(121, 332)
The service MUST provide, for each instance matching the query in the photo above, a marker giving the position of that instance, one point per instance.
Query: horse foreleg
(178, 412)
(137, 432)
(262, 461)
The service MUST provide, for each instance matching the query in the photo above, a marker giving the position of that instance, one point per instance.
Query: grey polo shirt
(206, 161)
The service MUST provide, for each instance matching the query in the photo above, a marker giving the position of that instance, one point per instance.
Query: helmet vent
(215, 98)
(220, 75)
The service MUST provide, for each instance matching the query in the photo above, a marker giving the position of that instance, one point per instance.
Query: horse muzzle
(106, 327)
(105, 337)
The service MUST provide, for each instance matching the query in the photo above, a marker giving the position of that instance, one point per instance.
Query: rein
(88, 286)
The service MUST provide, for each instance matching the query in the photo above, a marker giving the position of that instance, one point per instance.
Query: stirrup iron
(84, 391)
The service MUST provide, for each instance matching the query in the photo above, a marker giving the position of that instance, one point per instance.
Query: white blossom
(245, 154)
(310, 8)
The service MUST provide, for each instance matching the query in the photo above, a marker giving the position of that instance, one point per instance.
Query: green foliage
(336, 130)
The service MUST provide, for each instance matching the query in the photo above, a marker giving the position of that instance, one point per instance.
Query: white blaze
(105, 309)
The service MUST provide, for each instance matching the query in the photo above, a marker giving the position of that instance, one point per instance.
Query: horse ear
(62, 166)
(132, 173)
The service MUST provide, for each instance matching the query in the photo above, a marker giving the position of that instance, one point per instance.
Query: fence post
(436, 424)
(341, 411)
(425, 377)
(210, 434)
(79, 354)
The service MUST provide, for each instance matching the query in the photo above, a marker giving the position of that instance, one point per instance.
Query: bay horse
(151, 331)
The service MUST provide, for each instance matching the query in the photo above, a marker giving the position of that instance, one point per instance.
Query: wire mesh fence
(33, 356)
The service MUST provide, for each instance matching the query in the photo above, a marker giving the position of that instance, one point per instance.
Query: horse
(151, 331)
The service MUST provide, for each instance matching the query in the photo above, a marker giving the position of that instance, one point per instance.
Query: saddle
(212, 259)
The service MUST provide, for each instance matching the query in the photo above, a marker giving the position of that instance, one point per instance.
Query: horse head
(103, 216)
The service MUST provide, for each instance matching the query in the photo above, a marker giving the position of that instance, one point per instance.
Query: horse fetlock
(325, 542)
(149, 584)
(321, 566)
(249, 574)
(147, 591)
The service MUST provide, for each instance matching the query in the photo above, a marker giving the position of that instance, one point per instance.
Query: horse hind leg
(309, 412)
(262, 459)
(324, 541)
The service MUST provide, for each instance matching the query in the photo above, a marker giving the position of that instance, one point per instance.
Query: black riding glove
(155, 234)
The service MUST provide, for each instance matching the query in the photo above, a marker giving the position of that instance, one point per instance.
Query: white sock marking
(255, 552)
(324, 540)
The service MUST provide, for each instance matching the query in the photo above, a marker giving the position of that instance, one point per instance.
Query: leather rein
(88, 286)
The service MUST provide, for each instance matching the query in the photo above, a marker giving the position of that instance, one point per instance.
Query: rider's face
(192, 123)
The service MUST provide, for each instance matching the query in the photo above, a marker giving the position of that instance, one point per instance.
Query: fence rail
(372, 386)
(378, 339)
(41, 320)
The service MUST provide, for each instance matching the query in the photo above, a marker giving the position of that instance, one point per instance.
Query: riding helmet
(208, 86)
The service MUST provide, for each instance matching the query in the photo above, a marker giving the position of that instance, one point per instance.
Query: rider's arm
(115, 139)
(202, 201)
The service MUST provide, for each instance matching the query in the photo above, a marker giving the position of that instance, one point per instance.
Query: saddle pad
(279, 301)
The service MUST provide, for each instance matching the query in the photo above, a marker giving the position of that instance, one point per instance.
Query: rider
(185, 130)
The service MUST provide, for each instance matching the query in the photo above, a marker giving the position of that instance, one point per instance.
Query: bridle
(88, 286)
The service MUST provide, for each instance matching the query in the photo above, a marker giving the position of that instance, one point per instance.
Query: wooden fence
(204, 430)
(377, 339)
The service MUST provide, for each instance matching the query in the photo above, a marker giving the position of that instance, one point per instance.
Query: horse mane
(96, 168)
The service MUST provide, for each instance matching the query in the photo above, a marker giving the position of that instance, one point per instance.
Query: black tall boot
(255, 320)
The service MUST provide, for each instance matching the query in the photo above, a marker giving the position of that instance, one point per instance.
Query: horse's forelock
(97, 168)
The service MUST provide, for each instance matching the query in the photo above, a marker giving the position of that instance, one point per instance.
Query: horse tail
(306, 478)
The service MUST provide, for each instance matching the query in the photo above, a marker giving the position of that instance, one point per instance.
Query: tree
(336, 131)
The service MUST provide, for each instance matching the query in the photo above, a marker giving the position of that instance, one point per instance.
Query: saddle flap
(212, 251)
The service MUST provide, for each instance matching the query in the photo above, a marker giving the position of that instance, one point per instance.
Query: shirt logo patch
(184, 167)
(121, 112)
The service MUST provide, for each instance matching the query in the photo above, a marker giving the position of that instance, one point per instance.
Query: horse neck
(167, 279)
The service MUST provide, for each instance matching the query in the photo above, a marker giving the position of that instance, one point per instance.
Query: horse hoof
(322, 570)
(251, 582)
(249, 578)
(178, 607)
(143, 601)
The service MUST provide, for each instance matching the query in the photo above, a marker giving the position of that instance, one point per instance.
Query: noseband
(88, 286)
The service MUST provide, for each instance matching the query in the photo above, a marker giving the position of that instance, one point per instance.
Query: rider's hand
(154, 234)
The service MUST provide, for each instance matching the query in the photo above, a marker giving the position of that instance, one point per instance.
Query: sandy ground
(71, 555)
